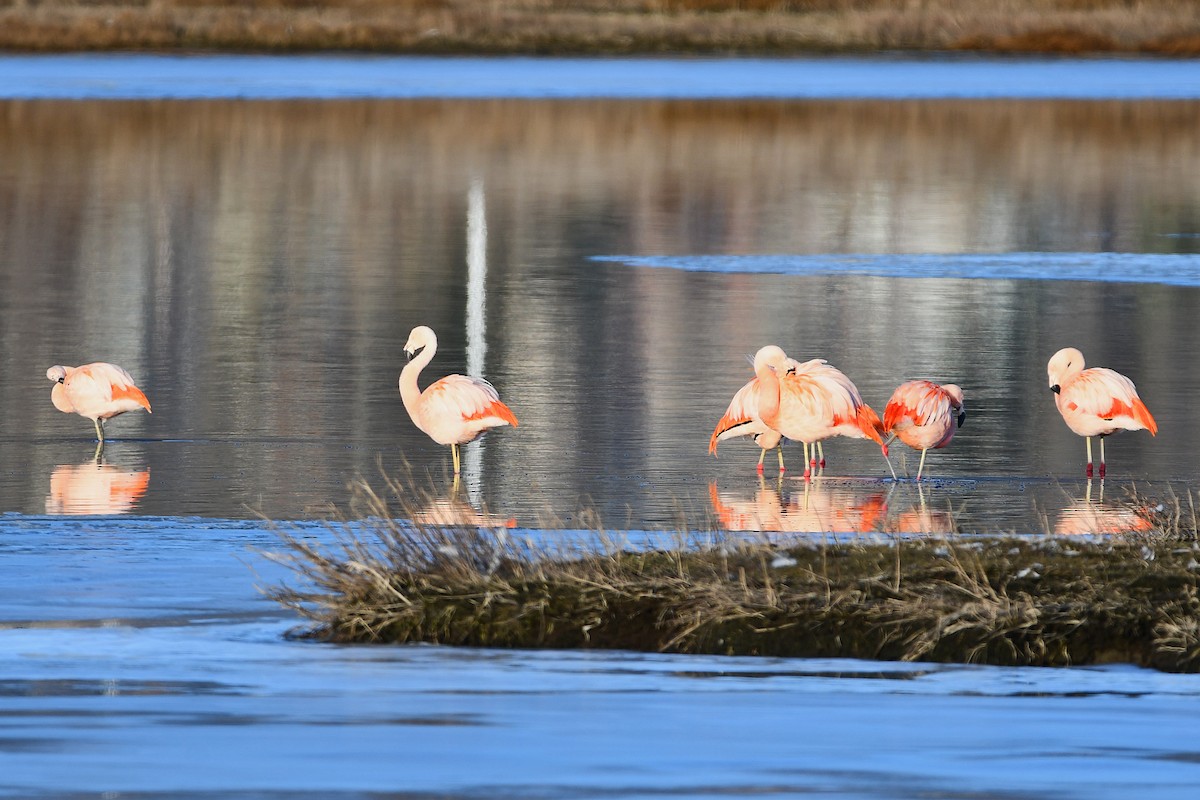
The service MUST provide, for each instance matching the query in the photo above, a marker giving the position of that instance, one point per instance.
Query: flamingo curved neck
(768, 398)
(410, 392)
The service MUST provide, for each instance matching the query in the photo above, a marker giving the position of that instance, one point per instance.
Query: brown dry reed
(1037, 601)
(780, 27)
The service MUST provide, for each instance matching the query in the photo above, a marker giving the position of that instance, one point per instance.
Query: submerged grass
(1046, 601)
(1167, 27)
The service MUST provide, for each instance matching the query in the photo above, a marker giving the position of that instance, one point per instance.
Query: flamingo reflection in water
(1093, 515)
(806, 402)
(453, 510)
(817, 508)
(95, 488)
(921, 518)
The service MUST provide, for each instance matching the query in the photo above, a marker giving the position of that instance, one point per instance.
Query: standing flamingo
(454, 410)
(924, 415)
(807, 403)
(742, 419)
(97, 391)
(1096, 401)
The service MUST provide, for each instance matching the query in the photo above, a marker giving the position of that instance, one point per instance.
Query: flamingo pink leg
(1089, 454)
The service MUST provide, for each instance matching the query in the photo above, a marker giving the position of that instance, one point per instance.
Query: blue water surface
(144, 76)
(1163, 268)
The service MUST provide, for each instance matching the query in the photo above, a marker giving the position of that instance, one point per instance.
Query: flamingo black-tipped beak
(962, 417)
(1056, 388)
(413, 353)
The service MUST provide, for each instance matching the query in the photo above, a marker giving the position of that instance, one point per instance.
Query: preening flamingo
(454, 410)
(807, 403)
(742, 419)
(924, 415)
(1096, 401)
(97, 391)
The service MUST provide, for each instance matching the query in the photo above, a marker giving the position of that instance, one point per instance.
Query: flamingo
(924, 415)
(741, 419)
(807, 403)
(98, 391)
(1096, 401)
(454, 410)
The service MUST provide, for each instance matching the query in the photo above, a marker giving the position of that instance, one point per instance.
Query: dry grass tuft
(1011, 600)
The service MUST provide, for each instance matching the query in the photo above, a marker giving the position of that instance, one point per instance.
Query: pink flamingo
(924, 415)
(807, 403)
(98, 391)
(742, 419)
(1096, 401)
(454, 410)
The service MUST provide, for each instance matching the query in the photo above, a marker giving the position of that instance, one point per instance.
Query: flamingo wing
(473, 402)
(108, 385)
(827, 392)
(1107, 395)
(741, 418)
(917, 403)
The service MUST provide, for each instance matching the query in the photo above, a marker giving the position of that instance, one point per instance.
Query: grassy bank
(775, 27)
(998, 600)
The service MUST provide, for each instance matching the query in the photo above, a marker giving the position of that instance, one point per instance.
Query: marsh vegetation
(779, 27)
(1011, 600)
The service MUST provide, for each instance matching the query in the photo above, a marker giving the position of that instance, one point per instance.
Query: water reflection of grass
(999, 600)
(606, 26)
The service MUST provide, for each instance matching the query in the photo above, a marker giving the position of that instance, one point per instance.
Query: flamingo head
(57, 373)
(421, 337)
(1063, 364)
(773, 357)
(958, 408)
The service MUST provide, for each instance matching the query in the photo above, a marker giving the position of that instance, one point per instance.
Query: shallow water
(138, 661)
(609, 265)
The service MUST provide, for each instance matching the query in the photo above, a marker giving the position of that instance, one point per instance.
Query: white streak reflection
(476, 319)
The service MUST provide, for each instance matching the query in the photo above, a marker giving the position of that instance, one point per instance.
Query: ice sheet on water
(1170, 269)
(144, 76)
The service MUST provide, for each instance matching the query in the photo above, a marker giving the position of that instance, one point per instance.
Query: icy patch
(143, 76)
(1168, 269)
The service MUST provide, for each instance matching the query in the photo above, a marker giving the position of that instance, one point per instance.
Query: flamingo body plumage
(1096, 401)
(924, 415)
(97, 391)
(453, 410)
